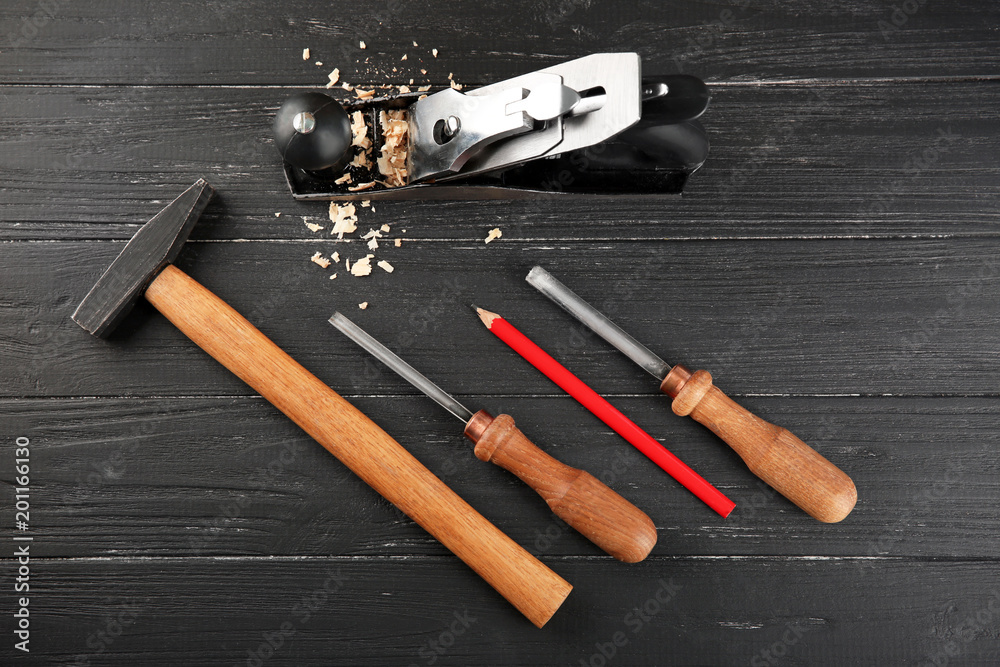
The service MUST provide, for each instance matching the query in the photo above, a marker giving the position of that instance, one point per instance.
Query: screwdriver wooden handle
(359, 443)
(575, 496)
(788, 465)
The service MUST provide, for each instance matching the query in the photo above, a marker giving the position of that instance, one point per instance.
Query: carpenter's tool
(591, 125)
(576, 496)
(606, 412)
(773, 453)
(143, 269)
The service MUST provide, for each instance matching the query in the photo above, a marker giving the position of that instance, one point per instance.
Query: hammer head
(156, 244)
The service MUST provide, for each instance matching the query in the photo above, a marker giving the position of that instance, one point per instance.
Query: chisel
(575, 496)
(772, 453)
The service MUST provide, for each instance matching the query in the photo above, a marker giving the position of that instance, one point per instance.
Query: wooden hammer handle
(774, 454)
(359, 443)
(575, 496)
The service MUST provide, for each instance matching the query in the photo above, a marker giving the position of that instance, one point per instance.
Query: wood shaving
(336, 257)
(277, 214)
(364, 94)
(346, 86)
(319, 64)
(363, 305)
(415, 44)
(366, 203)
(362, 186)
(411, 83)
(404, 57)
(305, 54)
(362, 267)
(386, 266)
(456, 86)
(434, 52)
(344, 219)
(392, 161)
(362, 45)
(423, 71)
(346, 178)
(319, 259)
(313, 227)
(384, 228)
(399, 243)
(361, 159)
(493, 234)
(404, 89)
(424, 89)
(360, 130)
(334, 77)
(373, 236)
(333, 277)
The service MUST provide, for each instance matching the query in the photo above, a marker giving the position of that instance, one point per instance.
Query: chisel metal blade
(406, 371)
(569, 301)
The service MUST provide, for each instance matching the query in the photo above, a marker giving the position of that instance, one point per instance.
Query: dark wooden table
(834, 264)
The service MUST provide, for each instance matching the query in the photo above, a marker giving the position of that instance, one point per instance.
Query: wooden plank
(232, 476)
(845, 159)
(212, 43)
(801, 317)
(337, 611)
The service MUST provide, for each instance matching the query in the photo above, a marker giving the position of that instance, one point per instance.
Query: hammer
(144, 269)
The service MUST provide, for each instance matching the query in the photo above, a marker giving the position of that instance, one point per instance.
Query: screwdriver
(575, 496)
(774, 454)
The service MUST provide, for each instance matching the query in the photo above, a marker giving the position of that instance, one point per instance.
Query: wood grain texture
(209, 43)
(575, 496)
(796, 316)
(833, 265)
(788, 160)
(231, 476)
(685, 611)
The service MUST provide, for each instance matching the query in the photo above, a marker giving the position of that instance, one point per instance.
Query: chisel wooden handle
(774, 454)
(359, 443)
(575, 496)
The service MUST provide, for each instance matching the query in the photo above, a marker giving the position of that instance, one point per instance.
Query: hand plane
(594, 125)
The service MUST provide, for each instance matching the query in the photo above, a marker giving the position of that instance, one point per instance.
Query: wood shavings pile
(392, 162)
(344, 218)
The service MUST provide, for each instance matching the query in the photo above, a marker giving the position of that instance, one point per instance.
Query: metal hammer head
(156, 244)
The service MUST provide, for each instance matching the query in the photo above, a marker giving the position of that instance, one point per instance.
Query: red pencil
(606, 412)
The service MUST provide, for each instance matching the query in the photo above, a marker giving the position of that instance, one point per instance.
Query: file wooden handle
(788, 465)
(575, 496)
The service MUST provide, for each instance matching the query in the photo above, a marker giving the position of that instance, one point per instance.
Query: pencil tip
(486, 316)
